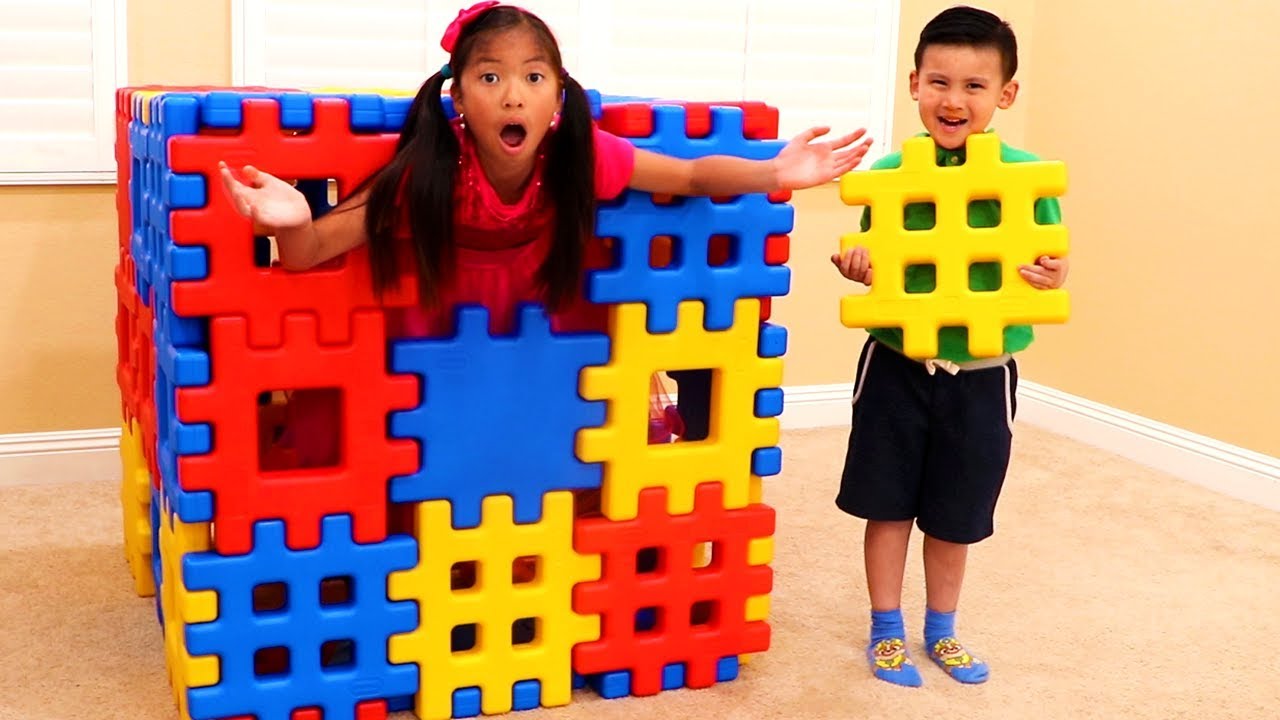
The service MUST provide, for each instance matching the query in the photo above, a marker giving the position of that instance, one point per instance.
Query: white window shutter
(60, 63)
(820, 62)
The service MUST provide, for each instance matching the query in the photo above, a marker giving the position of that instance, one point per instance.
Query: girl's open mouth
(951, 123)
(513, 135)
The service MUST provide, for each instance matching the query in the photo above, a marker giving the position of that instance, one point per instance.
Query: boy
(932, 446)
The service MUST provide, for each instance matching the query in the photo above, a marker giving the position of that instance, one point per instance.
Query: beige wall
(57, 248)
(1173, 295)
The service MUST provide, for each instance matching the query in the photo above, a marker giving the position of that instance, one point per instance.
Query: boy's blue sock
(887, 652)
(945, 650)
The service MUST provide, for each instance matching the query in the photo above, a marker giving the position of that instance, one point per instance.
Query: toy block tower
(493, 528)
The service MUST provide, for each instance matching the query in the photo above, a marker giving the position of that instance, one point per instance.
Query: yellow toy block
(135, 501)
(182, 608)
(631, 463)
(951, 245)
(493, 604)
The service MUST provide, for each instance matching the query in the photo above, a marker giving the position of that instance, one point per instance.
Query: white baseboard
(37, 458)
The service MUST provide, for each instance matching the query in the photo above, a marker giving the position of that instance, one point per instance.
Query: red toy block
(368, 710)
(235, 286)
(701, 612)
(356, 483)
(777, 249)
(760, 121)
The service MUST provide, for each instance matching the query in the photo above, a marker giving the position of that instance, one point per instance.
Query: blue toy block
(727, 669)
(400, 704)
(635, 220)
(526, 695)
(727, 136)
(499, 415)
(157, 564)
(673, 676)
(578, 681)
(191, 507)
(303, 626)
(769, 402)
(766, 461)
(773, 340)
(317, 194)
(611, 685)
(466, 702)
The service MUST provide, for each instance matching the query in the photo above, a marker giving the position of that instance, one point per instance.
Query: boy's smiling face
(958, 88)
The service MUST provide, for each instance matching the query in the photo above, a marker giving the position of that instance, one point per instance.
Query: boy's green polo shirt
(953, 342)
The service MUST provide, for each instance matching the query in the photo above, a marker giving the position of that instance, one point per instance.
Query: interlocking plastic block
(500, 664)
(308, 626)
(182, 604)
(952, 246)
(701, 612)
(637, 119)
(236, 285)
(367, 459)
(499, 415)
(368, 710)
(135, 502)
(636, 220)
(738, 372)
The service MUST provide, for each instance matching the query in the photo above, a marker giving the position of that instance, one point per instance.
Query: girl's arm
(799, 165)
(278, 208)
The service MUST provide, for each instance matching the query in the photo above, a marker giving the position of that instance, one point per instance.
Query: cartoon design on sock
(890, 654)
(952, 654)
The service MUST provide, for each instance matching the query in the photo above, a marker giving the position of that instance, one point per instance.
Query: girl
(499, 204)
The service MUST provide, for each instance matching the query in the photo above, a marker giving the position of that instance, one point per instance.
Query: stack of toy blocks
(495, 529)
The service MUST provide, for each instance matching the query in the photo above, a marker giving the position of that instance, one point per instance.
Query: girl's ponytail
(570, 176)
(418, 185)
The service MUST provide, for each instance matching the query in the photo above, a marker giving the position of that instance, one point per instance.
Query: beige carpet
(1108, 591)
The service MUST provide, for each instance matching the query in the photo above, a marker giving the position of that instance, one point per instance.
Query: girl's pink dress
(499, 249)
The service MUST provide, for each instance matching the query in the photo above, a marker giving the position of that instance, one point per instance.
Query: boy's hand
(854, 264)
(1047, 274)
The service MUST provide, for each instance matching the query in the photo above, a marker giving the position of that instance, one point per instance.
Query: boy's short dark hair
(962, 25)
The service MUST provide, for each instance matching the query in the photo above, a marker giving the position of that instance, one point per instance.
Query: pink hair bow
(460, 23)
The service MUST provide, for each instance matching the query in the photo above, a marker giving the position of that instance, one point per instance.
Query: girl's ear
(457, 97)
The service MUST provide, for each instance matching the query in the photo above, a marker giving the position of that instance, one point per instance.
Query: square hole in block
(648, 620)
(648, 560)
(338, 654)
(321, 195)
(339, 590)
(704, 554)
(665, 251)
(703, 613)
(271, 662)
(464, 575)
(586, 503)
(464, 638)
(985, 277)
(983, 213)
(300, 429)
(920, 279)
(265, 251)
(722, 250)
(919, 216)
(270, 597)
(525, 569)
(692, 418)
(524, 631)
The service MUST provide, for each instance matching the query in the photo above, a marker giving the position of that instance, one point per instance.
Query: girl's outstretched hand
(803, 163)
(271, 203)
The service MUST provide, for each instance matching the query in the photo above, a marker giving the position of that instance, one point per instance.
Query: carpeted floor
(1109, 590)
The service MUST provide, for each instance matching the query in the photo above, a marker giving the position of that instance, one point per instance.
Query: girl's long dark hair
(418, 183)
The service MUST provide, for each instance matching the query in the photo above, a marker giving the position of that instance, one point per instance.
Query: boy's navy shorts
(933, 448)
